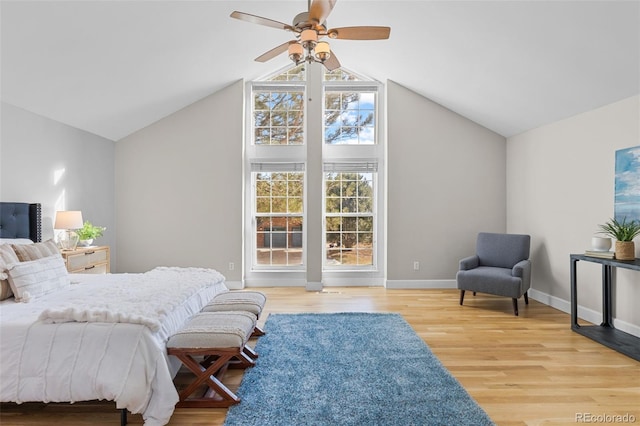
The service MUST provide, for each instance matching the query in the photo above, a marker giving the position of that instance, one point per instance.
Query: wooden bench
(247, 301)
(218, 340)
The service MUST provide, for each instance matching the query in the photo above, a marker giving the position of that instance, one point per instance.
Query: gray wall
(560, 187)
(64, 168)
(179, 188)
(446, 182)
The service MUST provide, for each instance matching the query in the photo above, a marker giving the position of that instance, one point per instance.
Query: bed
(93, 337)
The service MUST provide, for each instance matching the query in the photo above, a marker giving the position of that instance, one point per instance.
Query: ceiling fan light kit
(295, 52)
(316, 51)
(308, 38)
(322, 51)
(309, 27)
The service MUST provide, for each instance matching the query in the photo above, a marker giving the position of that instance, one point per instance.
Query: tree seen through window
(349, 218)
(279, 219)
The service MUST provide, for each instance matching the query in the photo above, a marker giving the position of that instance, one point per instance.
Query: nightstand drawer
(93, 269)
(89, 260)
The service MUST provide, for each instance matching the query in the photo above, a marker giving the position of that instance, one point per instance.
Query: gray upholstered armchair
(501, 266)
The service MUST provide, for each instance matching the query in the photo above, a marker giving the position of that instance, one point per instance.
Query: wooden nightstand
(87, 260)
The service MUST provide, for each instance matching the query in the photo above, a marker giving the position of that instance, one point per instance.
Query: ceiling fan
(309, 27)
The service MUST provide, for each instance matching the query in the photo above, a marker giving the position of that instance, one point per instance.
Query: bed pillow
(35, 278)
(36, 251)
(7, 258)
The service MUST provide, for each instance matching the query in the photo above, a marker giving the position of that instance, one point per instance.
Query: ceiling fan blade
(360, 33)
(332, 63)
(320, 9)
(274, 52)
(260, 20)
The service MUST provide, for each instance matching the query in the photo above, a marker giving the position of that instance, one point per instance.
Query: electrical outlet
(416, 265)
(232, 266)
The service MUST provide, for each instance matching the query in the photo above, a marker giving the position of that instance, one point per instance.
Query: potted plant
(624, 232)
(88, 233)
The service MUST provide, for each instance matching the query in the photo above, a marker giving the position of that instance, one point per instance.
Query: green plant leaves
(621, 230)
(89, 231)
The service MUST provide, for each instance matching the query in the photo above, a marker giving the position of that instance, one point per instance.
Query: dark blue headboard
(21, 220)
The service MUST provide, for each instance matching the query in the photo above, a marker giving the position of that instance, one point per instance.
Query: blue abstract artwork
(627, 196)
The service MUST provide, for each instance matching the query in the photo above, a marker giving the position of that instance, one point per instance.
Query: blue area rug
(349, 369)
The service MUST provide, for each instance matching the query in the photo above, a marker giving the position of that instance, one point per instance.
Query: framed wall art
(627, 184)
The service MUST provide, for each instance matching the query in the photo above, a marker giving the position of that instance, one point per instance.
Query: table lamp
(68, 221)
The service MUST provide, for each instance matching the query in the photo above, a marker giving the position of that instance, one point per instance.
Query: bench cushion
(248, 301)
(229, 329)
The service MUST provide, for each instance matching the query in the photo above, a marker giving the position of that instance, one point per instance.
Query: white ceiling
(113, 67)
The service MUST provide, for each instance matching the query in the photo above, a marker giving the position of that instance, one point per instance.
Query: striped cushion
(215, 330)
(36, 251)
(248, 301)
(38, 277)
(7, 258)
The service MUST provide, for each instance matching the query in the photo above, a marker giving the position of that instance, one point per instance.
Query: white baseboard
(312, 286)
(353, 282)
(418, 284)
(585, 314)
(234, 285)
(260, 282)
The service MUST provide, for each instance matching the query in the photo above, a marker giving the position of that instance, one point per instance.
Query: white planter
(600, 243)
(85, 243)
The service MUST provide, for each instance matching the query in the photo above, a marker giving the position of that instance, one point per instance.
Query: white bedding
(111, 357)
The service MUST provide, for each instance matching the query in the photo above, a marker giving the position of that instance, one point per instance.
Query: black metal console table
(604, 333)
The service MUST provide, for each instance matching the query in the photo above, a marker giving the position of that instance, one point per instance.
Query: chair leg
(515, 306)
(461, 296)
(526, 298)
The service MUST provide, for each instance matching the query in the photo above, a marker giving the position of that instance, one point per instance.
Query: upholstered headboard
(21, 220)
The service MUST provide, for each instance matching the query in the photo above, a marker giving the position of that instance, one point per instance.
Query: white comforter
(103, 338)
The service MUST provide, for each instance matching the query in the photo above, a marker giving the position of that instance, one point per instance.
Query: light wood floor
(526, 370)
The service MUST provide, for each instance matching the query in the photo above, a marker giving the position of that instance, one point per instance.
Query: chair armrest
(470, 262)
(521, 269)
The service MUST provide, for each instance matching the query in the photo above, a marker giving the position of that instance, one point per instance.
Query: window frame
(263, 275)
(276, 168)
(278, 86)
(353, 86)
(349, 168)
(372, 154)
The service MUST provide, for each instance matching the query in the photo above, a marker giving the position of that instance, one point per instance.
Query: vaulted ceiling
(113, 67)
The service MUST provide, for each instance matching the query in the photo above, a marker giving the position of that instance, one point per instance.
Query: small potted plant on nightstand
(88, 233)
(624, 232)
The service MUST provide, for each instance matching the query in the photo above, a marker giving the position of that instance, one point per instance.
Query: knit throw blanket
(143, 299)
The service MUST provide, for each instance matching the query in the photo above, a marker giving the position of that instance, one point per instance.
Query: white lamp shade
(69, 219)
(322, 51)
(295, 49)
(309, 36)
(322, 47)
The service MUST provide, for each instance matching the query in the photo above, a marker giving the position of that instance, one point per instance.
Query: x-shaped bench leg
(218, 394)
